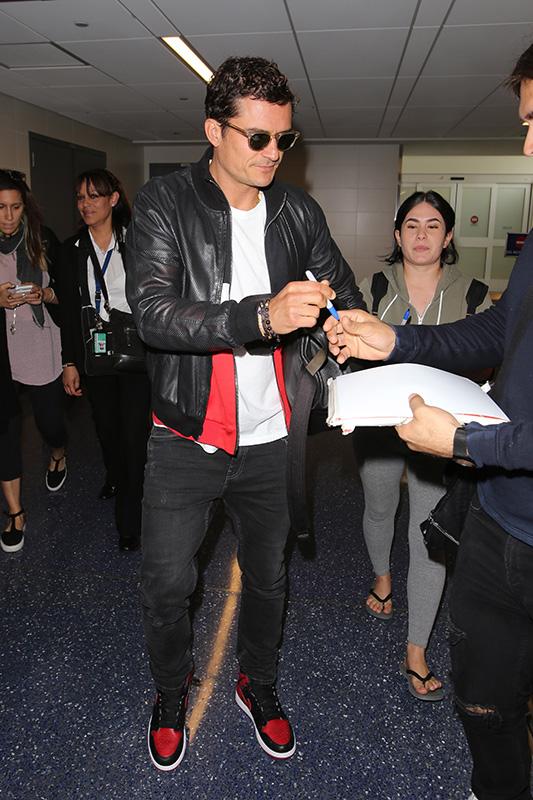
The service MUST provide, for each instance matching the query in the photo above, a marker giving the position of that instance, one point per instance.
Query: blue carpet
(76, 691)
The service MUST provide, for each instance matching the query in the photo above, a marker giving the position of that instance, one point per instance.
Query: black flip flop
(379, 614)
(432, 696)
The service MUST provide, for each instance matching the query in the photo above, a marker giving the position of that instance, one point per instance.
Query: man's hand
(298, 305)
(71, 381)
(359, 335)
(430, 431)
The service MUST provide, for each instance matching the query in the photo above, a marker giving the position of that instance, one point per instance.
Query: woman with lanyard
(421, 286)
(119, 402)
(30, 344)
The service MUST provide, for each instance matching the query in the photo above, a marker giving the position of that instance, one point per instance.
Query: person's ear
(213, 131)
(447, 239)
(115, 197)
(398, 238)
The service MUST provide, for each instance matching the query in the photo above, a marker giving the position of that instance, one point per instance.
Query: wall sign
(515, 242)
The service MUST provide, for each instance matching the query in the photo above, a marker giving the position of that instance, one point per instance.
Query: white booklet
(380, 396)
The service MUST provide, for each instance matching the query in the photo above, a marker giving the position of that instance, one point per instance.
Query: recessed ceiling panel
(228, 16)
(34, 55)
(106, 19)
(111, 98)
(170, 95)
(475, 12)
(133, 60)
(478, 49)
(51, 99)
(352, 92)
(449, 90)
(12, 32)
(352, 54)
(280, 48)
(312, 15)
(150, 16)
(65, 76)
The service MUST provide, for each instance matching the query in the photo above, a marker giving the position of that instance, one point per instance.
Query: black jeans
(182, 483)
(120, 407)
(491, 638)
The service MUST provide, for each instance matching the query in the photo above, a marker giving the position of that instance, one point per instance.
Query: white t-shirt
(260, 412)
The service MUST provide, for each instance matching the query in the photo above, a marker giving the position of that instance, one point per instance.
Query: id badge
(99, 343)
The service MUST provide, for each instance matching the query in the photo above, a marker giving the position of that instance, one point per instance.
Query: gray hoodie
(448, 304)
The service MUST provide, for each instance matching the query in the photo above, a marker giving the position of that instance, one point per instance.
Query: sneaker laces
(168, 708)
(267, 699)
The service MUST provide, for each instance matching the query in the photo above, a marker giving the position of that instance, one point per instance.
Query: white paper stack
(380, 396)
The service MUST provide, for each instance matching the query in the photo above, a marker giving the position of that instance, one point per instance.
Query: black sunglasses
(258, 140)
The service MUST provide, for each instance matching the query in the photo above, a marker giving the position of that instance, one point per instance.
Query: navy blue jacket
(506, 486)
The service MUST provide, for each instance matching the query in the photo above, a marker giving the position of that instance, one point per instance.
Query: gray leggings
(381, 457)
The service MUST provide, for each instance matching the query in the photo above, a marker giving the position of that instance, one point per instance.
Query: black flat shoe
(107, 491)
(127, 544)
(55, 478)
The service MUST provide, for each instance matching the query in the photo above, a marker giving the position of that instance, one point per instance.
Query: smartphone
(23, 288)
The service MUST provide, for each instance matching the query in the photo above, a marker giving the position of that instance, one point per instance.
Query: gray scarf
(26, 272)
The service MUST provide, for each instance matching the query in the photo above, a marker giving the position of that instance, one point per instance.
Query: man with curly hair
(216, 277)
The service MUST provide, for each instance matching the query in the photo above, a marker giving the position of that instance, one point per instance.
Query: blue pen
(406, 317)
(329, 305)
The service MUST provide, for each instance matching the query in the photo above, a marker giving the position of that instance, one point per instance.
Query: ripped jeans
(491, 642)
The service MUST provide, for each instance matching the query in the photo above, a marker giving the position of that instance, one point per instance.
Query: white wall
(467, 159)
(356, 185)
(19, 118)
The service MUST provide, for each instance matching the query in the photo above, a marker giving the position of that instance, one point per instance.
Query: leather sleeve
(161, 281)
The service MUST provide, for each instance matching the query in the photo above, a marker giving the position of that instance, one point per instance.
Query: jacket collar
(212, 195)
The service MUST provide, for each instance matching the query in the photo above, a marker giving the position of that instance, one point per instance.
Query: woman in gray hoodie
(421, 286)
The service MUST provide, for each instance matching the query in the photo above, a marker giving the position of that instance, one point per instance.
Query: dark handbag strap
(297, 443)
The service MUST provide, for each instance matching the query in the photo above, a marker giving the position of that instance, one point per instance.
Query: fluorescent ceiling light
(190, 57)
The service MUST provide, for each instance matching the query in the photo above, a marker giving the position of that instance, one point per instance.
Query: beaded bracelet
(263, 321)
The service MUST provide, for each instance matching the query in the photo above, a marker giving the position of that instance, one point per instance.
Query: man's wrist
(460, 445)
(263, 321)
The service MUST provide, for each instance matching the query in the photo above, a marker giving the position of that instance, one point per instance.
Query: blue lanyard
(98, 288)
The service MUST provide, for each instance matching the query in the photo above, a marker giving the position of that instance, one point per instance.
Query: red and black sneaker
(272, 728)
(167, 737)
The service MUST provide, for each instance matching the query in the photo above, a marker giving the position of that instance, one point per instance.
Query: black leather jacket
(178, 250)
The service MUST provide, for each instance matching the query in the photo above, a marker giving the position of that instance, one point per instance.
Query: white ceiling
(363, 69)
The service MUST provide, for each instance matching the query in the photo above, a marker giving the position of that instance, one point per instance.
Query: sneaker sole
(12, 548)
(58, 487)
(161, 767)
(261, 743)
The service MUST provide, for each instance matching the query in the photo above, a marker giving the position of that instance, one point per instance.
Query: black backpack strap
(378, 289)
(296, 448)
(477, 291)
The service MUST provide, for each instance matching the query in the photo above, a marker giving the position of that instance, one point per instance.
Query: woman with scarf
(29, 344)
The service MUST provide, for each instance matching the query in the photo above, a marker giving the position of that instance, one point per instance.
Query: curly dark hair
(105, 183)
(523, 71)
(245, 76)
(15, 181)
(449, 254)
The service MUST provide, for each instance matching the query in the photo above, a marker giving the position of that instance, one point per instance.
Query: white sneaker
(471, 796)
